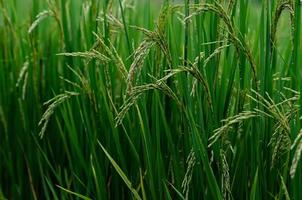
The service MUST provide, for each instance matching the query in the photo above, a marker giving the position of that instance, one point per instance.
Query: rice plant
(141, 99)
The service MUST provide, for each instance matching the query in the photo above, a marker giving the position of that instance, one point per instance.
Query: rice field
(132, 99)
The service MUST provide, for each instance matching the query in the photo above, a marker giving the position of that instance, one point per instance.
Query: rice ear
(39, 18)
(140, 55)
(240, 45)
(52, 105)
(297, 155)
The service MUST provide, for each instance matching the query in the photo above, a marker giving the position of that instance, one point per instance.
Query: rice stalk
(74, 193)
(180, 101)
(284, 188)
(121, 6)
(120, 172)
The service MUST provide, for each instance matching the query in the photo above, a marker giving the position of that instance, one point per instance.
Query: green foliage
(130, 99)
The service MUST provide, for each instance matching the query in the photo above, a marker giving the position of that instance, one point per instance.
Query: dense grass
(143, 100)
